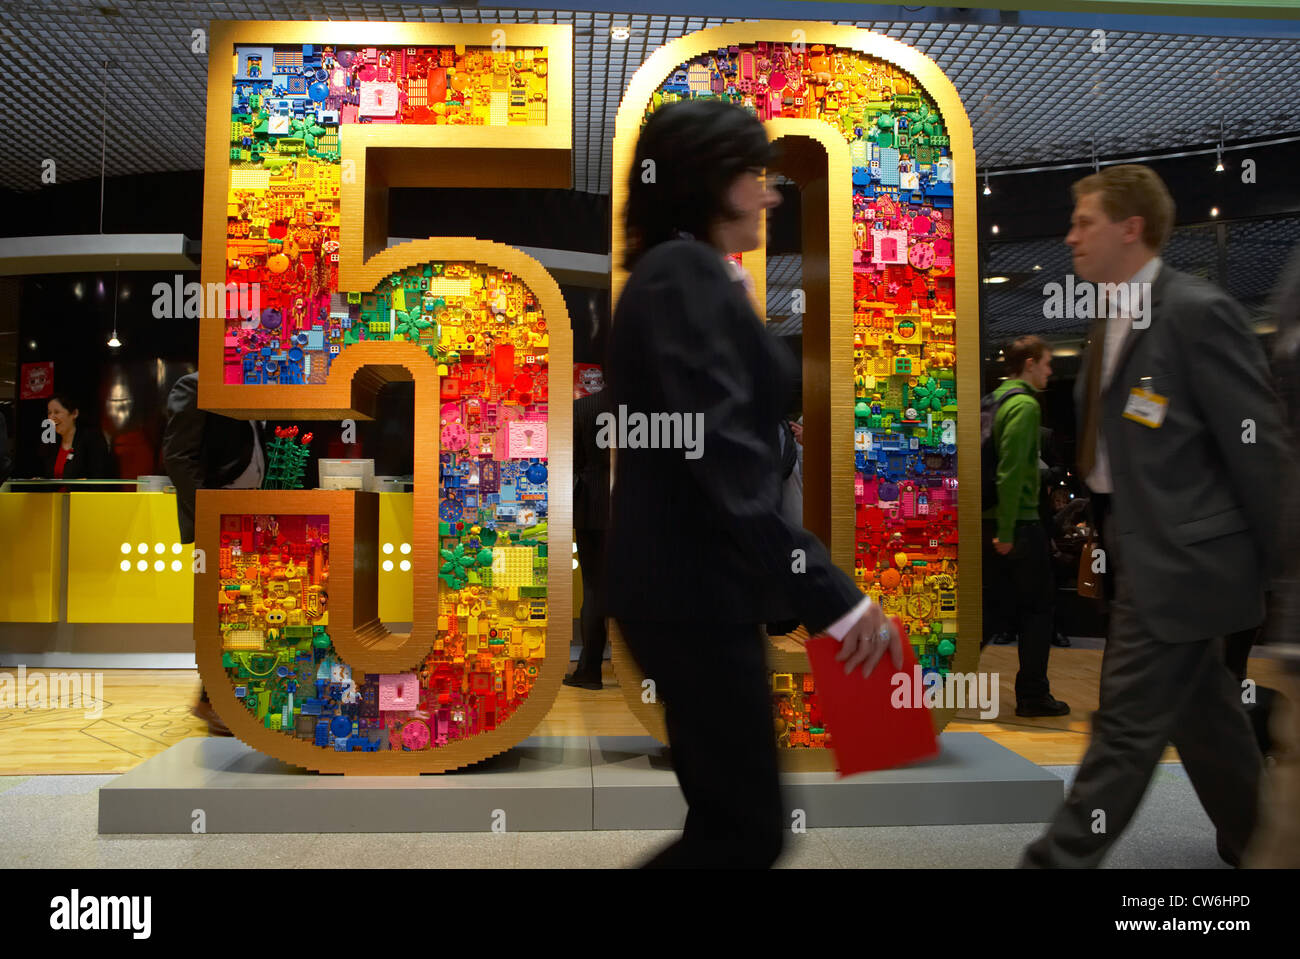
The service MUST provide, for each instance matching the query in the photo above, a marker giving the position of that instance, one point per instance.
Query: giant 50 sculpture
(308, 126)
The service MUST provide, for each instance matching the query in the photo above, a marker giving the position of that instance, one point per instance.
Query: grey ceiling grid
(1256, 251)
(1034, 94)
(784, 276)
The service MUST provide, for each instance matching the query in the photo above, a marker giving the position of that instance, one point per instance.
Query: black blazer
(89, 458)
(200, 450)
(703, 539)
(590, 463)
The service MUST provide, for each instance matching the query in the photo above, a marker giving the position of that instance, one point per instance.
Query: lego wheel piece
(415, 735)
(921, 255)
(454, 437)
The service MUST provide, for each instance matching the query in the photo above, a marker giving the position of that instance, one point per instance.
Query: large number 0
(855, 344)
(289, 641)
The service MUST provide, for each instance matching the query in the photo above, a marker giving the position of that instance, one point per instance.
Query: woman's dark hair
(67, 401)
(695, 149)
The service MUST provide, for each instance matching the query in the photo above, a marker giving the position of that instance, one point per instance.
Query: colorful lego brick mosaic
(904, 326)
(274, 621)
(288, 104)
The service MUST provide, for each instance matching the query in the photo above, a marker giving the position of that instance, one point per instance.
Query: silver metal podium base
(550, 783)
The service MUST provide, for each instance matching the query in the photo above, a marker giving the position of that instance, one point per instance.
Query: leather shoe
(1226, 854)
(1004, 639)
(203, 710)
(573, 679)
(1060, 639)
(1046, 706)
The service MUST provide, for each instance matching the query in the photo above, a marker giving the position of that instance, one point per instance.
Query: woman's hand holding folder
(867, 639)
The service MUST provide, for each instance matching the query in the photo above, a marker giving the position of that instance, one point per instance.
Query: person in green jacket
(1017, 554)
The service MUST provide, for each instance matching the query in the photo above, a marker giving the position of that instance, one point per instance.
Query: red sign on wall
(37, 381)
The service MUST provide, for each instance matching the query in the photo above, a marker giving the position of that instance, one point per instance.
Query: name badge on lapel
(1146, 406)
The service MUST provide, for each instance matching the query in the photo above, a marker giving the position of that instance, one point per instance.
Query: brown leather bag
(1089, 583)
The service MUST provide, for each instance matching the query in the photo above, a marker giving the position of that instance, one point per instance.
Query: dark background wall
(68, 317)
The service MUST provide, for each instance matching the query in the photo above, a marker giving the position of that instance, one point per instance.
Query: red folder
(866, 730)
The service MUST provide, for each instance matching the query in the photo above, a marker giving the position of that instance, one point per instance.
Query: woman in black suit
(699, 555)
(79, 451)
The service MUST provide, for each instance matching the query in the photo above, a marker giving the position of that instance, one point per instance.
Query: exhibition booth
(388, 650)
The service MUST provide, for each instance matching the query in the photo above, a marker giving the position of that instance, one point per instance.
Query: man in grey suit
(1181, 443)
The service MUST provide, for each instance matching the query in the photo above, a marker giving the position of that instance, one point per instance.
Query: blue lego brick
(889, 166)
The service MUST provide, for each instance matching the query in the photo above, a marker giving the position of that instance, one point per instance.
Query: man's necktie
(1092, 400)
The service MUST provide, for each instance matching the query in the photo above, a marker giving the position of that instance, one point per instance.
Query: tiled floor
(50, 821)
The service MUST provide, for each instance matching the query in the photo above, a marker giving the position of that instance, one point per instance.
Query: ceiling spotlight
(113, 341)
(995, 228)
(619, 33)
(1214, 211)
(996, 279)
(1037, 266)
(31, 344)
(1218, 166)
(987, 191)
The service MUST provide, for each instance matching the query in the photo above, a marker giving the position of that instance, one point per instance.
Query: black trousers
(591, 624)
(713, 682)
(1023, 583)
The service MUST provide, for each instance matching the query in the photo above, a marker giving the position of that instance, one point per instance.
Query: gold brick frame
(385, 156)
(831, 350)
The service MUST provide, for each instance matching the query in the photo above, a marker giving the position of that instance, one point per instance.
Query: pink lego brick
(527, 439)
(399, 692)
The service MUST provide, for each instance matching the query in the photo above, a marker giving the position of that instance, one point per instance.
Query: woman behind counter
(78, 452)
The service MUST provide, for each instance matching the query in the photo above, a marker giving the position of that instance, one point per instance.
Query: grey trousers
(1153, 693)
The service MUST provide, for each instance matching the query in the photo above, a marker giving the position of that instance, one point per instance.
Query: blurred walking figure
(590, 520)
(1276, 843)
(700, 556)
(203, 450)
(1180, 443)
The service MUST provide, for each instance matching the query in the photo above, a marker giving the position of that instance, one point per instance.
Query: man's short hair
(1131, 189)
(1023, 349)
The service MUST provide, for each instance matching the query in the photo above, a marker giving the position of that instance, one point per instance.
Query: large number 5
(308, 126)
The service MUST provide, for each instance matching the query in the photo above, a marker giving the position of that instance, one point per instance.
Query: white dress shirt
(1117, 326)
(840, 627)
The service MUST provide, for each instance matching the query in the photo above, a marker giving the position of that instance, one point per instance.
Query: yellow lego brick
(512, 566)
(450, 286)
(245, 639)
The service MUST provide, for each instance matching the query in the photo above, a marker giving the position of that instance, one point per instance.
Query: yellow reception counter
(100, 573)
